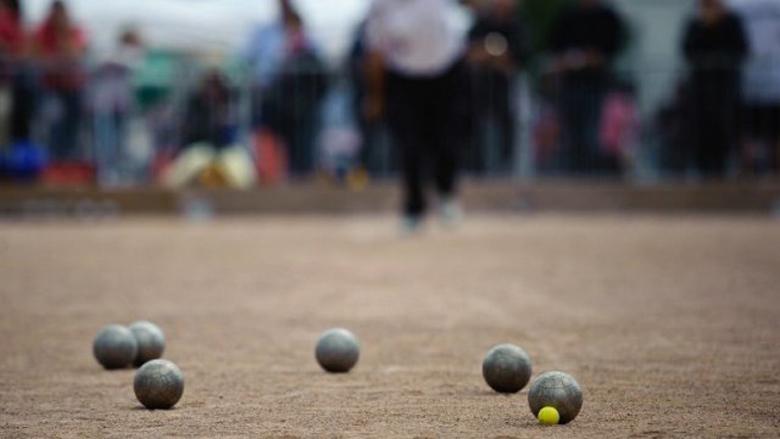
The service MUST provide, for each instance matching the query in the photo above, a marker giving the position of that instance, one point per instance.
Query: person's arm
(375, 85)
(374, 63)
(741, 44)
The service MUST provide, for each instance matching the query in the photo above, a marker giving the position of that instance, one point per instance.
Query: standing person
(289, 84)
(371, 128)
(586, 37)
(23, 161)
(112, 103)
(209, 154)
(210, 117)
(761, 86)
(415, 71)
(11, 35)
(11, 41)
(60, 46)
(12, 47)
(715, 47)
(498, 46)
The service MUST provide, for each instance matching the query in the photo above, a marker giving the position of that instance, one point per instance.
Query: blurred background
(175, 94)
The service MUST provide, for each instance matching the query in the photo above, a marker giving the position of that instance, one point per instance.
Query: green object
(155, 78)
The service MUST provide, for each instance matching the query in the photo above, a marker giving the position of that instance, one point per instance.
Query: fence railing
(310, 120)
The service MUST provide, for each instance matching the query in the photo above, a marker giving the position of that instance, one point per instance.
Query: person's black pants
(425, 116)
(581, 103)
(714, 124)
(714, 139)
(23, 105)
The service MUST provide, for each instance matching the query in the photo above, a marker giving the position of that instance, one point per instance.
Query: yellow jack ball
(548, 416)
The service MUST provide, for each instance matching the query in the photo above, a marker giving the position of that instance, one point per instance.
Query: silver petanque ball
(114, 347)
(337, 350)
(506, 368)
(158, 384)
(558, 390)
(151, 342)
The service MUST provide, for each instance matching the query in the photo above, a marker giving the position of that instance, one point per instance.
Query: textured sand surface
(671, 325)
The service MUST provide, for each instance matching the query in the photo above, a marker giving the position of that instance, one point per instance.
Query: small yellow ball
(548, 416)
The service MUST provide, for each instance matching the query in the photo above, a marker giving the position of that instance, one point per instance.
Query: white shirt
(417, 37)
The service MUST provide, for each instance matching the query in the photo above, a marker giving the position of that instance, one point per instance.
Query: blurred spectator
(585, 40)
(11, 32)
(498, 46)
(112, 103)
(289, 84)
(671, 125)
(417, 74)
(61, 46)
(715, 47)
(11, 41)
(371, 129)
(21, 161)
(210, 117)
(210, 156)
(761, 85)
(16, 88)
(620, 126)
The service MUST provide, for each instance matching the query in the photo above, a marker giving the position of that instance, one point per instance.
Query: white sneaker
(451, 212)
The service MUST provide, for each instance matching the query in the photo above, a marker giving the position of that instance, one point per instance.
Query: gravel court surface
(670, 324)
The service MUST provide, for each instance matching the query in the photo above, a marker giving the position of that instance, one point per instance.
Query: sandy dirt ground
(671, 325)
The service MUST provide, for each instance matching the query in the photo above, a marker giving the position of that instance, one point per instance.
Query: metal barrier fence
(521, 126)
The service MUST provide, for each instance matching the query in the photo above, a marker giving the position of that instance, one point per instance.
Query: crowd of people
(443, 89)
(46, 62)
